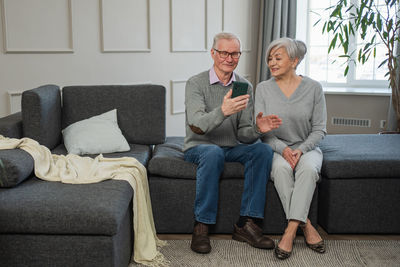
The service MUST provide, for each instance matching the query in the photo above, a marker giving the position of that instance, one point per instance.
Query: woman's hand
(233, 105)
(287, 154)
(267, 123)
(292, 156)
(296, 155)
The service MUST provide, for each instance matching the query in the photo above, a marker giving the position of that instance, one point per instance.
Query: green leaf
(316, 22)
(383, 63)
(390, 24)
(351, 28)
(333, 43)
(371, 18)
(379, 22)
(346, 70)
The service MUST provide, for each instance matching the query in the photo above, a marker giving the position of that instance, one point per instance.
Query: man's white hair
(228, 36)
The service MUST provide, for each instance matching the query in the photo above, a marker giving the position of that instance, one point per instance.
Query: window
(329, 68)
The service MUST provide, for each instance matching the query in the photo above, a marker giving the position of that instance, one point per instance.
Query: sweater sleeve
(318, 121)
(196, 114)
(247, 130)
(276, 144)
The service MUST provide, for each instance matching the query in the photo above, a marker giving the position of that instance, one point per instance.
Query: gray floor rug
(339, 253)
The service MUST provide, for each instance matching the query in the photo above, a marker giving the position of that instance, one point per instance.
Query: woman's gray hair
(294, 48)
(228, 36)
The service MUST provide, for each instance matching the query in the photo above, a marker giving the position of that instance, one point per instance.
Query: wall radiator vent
(351, 122)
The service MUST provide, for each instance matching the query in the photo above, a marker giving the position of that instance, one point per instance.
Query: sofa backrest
(41, 115)
(140, 108)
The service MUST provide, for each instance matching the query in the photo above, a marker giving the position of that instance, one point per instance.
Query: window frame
(303, 33)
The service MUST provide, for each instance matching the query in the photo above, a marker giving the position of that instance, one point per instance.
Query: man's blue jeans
(256, 159)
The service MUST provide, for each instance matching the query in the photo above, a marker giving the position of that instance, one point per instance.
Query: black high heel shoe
(317, 247)
(282, 254)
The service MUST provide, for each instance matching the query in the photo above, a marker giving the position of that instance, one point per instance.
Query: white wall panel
(89, 65)
(238, 18)
(214, 20)
(125, 25)
(178, 97)
(37, 26)
(188, 25)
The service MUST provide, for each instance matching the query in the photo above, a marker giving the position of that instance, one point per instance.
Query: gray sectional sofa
(359, 192)
(53, 224)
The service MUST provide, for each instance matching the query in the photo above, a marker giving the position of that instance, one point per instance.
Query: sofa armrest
(41, 115)
(11, 125)
(16, 165)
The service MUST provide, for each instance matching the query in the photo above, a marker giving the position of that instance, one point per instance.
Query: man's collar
(214, 78)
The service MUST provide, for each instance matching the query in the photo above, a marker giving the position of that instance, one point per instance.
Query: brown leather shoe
(252, 234)
(200, 240)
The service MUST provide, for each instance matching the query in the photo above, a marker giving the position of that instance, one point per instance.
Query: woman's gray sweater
(303, 114)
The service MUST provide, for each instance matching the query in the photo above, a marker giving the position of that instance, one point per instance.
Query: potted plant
(375, 26)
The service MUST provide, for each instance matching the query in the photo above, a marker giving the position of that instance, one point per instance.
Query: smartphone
(239, 88)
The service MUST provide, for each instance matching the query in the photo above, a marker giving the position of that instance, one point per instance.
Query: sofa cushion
(168, 161)
(140, 152)
(41, 115)
(141, 109)
(41, 207)
(16, 165)
(98, 134)
(361, 156)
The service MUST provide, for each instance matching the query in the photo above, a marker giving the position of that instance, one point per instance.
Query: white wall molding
(178, 96)
(14, 99)
(125, 25)
(188, 25)
(36, 34)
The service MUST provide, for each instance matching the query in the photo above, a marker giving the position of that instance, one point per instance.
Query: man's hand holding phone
(239, 88)
(232, 105)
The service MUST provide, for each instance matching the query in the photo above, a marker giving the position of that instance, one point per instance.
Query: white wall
(61, 42)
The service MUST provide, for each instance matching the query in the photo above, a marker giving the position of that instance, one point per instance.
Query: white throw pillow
(98, 134)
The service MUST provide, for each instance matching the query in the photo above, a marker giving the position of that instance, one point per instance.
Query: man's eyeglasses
(225, 54)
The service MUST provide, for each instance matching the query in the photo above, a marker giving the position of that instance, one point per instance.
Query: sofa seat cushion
(140, 152)
(361, 156)
(41, 207)
(168, 161)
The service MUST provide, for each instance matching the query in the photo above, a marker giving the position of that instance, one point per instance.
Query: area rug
(339, 253)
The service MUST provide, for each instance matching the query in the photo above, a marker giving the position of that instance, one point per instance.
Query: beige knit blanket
(73, 169)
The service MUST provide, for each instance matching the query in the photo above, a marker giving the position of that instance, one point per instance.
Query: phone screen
(239, 88)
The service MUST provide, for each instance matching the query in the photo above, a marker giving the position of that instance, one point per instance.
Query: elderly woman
(299, 101)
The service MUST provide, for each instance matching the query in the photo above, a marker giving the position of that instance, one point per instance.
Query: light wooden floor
(323, 234)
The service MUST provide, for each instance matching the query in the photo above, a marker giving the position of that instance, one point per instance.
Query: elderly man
(220, 128)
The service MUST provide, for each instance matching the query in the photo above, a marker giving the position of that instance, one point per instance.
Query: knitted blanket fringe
(74, 169)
